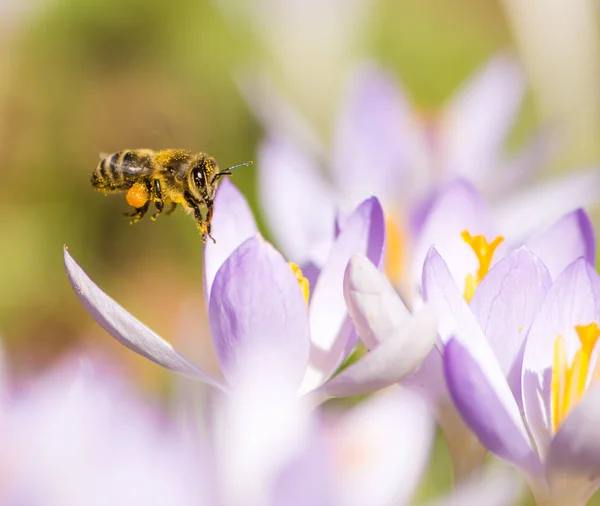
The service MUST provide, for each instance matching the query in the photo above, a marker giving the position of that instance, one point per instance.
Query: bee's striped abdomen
(119, 171)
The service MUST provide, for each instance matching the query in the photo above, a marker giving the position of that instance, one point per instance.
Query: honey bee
(170, 176)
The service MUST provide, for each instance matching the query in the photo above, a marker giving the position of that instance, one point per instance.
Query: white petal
(389, 362)
(126, 329)
(374, 305)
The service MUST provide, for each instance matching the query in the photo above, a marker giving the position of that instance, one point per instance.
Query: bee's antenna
(227, 171)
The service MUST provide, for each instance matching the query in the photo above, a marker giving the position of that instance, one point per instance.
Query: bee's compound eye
(199, 177)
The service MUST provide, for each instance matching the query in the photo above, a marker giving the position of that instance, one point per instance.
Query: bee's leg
(157, 199)
(209, 215)
(138, 213)
(198, 215)
(173, 207)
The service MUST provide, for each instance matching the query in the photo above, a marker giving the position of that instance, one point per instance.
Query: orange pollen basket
(484, 252)
(302, 281)
(569, 382)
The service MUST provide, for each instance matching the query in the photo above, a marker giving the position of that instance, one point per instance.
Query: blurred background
(79, 78)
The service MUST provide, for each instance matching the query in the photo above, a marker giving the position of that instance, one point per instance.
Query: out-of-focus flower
(381, 148)
(78, 436)
(505, 366)
(269, 450)
(256, 300)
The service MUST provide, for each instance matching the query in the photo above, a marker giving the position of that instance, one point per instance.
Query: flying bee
(171, 176)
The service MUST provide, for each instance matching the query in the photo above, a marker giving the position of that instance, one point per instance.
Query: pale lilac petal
(232, 224)
(479, 117)
(331, 331)
(442, 292)
(574, 299)
(575, 448)
(505, 304)
(530, 209)
(568, 239)
(458, 208)
(457, 322)
(297, 202)
(374, 305)
(390, 361)
(372, 137)
(488, 414)
(130, 332)
(256, 302)
(382, 447)
(428, 380)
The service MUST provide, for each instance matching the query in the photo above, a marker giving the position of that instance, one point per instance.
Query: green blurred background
(83, 77)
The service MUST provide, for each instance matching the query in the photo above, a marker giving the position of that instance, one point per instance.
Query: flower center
(569, 382)
(302, 281)
(395, 250)
(484, 252)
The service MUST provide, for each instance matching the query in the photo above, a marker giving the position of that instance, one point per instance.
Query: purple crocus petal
(390, 361)
(505, 304)
(455, 210)
(494, 418)
(256, 303)
(374, 305)
(332, 334)
(456, 321)
(297, 203)
(129, 331)
(371, 144)
(568, 239)
(575, 448)
(479, 117)
(574, 299)
(232, 224)
(442, 292)
(381, 448)
(526, 211)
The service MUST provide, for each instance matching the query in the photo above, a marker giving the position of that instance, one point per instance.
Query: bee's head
(202, 177)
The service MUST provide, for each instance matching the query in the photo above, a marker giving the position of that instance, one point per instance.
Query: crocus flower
(77, 435)
(381, 148)
(513, 369)
(461, 230)
(255, 299)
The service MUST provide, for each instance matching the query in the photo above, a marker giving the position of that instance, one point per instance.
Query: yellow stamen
(302, 281)
(484, 252)
(569, 382)
(395, 250)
